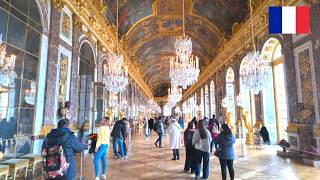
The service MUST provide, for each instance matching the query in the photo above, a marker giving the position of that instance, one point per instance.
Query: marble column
(50, 91)
(315, 30)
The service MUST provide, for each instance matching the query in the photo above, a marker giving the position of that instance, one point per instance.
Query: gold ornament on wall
(58, 4)
(66, 25)
(306, 79)
(63, 77)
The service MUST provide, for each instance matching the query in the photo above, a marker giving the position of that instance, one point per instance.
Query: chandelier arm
(252, 36)
(183, 17)
(117, 31)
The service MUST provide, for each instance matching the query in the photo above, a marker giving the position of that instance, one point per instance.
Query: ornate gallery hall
(89, 80)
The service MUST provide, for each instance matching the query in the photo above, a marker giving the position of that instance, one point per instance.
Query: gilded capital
(58, 4)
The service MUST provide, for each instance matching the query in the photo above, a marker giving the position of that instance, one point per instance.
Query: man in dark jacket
(71, 145)
(159, 129)
(119, 135)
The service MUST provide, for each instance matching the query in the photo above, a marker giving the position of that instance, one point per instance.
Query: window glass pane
(4, 5)
(16, 32)
(3, 24)
(28, 94)
(16, 92)
(26, 121)
(30, 70)
(34, 12)
(21, 5)
(19, 59)
(9, 123)
(18, 14)
(34, 26)
(33, 42)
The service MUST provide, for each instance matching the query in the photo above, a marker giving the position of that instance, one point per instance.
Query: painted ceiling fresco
(149, 28)
(222, 13)
(130, 11)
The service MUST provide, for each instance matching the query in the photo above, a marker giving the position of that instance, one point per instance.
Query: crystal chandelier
(113, 100)
(174, 94)
(153, 107)
(184, 68)
(7, 73)
(254, 70)
(184, 73)
(115, 77)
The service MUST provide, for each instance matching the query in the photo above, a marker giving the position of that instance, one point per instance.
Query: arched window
(20, 26)
(86, 77)
(274, 96)
(207, 102)
(212, 99)
(230, 93)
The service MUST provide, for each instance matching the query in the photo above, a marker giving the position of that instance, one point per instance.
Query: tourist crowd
(200, 138)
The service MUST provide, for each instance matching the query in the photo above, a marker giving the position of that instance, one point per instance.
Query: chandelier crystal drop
(7, 73)
(115, 77)
(254, 72)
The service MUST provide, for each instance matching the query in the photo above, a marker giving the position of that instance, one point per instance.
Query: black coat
(265, 135)
(71, 146)
(119, 130)
(188, 135)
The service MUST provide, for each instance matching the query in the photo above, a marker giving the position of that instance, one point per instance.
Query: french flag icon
(289, 20)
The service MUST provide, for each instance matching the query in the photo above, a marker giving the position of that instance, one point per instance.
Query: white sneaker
(97, 178)
(104, 176)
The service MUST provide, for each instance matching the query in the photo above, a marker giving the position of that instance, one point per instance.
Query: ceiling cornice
(238, 41)
(90, 14)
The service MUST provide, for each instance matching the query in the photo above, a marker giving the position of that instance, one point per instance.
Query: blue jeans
(101, 154)
(118, 142)
(159, 139)
(206, 161)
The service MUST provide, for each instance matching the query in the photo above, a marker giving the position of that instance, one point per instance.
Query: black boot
(178, 154)
(174, 154)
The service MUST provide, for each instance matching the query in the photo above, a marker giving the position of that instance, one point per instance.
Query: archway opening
(207, 102)
(230, 94)
(86, 77)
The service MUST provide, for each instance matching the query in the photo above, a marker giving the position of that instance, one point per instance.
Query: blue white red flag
(289, 20)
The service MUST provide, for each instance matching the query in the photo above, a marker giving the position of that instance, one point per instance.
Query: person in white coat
(175, 133)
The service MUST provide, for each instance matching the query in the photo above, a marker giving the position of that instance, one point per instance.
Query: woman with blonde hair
(102, 148)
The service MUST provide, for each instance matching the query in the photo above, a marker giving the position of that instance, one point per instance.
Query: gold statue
(229, 122)
(110, 114)
(245, 121)
(249, 134)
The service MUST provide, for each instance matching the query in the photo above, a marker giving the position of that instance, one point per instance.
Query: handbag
(217, 152)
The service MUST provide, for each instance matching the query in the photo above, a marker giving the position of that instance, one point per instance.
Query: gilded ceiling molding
(155, 13)
(236, 44)
(93, 19)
